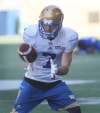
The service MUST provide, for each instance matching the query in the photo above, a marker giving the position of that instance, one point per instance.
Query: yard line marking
(89, 100)
(85, 101)
(82, 101)
(73, 82)
(14, 84)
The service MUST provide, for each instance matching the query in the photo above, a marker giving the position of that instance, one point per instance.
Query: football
(27, 53)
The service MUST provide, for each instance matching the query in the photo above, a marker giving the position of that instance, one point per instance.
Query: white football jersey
(40, 69)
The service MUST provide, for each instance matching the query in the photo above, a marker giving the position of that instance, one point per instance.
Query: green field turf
(84, 68)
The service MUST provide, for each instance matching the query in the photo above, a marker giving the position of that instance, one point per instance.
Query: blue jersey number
(49, 55)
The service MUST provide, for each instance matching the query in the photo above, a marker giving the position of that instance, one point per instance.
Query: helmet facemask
(50, 22)
(49, 29)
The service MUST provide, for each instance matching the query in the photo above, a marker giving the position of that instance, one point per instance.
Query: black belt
(42, 85)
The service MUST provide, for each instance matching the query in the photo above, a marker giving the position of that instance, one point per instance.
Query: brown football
(27, 52)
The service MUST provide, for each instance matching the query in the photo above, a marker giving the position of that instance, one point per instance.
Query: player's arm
(65, 63)
(67, 55)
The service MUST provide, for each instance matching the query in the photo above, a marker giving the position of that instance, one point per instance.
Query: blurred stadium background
(84, 76)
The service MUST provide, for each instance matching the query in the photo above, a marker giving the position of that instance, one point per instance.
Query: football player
(87, 45)
(43, 78)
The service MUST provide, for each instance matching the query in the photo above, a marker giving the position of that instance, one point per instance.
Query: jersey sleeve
(71, 42)
(29, 35)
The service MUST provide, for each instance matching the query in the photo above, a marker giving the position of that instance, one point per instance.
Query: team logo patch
(59, 47)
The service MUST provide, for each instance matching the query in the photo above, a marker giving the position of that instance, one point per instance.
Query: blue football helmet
(50, 22)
